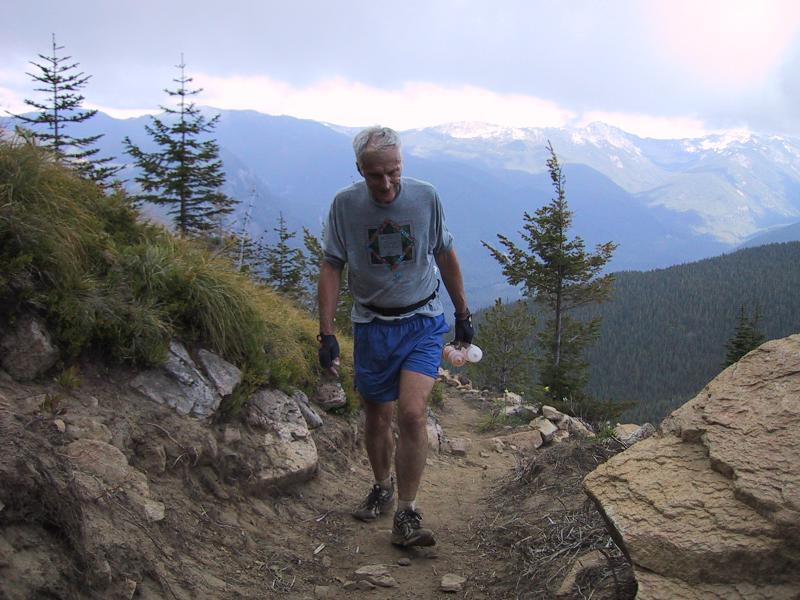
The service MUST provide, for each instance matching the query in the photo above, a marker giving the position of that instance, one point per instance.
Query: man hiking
(390, 232)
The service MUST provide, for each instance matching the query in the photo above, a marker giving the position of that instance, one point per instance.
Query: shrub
(108, 282)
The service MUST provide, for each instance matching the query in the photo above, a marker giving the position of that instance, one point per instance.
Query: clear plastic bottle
(474, 354)
(455, 356)
(458, 356)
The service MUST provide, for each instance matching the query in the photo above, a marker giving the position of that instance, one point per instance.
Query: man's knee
(378, 416)
(411, 420)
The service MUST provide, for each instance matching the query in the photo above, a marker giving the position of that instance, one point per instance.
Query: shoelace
(410, 517)
(374, 497)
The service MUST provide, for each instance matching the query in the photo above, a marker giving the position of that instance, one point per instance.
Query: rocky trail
(109, 495)
(452, 498)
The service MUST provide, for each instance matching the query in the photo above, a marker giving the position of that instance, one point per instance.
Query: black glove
(464, 330)
(328, 350)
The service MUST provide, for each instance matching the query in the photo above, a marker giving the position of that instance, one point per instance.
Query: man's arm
(453, 281)
(330, 279)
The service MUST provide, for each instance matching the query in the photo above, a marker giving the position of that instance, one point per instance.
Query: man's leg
(379, 442)
(378, 437)
(412, 443)
(412, 450)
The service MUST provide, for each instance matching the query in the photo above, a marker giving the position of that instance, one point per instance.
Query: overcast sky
(674, 68)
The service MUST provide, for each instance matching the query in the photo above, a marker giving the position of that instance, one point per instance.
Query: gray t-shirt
(389, 248)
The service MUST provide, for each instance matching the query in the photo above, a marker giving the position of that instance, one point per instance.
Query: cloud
(412, 105)
(649, 126)
(731, 43)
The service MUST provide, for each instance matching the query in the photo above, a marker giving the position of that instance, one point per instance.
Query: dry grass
(542, 522)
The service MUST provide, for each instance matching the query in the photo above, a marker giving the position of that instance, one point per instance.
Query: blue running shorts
(383, 348)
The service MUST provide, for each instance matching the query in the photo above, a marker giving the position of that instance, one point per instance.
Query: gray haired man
(390, 231)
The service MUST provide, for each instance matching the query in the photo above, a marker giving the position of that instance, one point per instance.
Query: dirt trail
(451, 498)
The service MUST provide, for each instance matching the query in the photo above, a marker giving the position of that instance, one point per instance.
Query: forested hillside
(663, 334)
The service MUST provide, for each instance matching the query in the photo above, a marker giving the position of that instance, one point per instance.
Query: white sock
(406, 505)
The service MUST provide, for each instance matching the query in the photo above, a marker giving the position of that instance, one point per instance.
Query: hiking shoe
(376, 502)
(408, 531)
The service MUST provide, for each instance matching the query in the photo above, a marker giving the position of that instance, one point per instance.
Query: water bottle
(455, 356)
(458, 356)
(474, 354)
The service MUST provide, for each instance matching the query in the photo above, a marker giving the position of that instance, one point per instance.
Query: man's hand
(464, 330)
(329, 353)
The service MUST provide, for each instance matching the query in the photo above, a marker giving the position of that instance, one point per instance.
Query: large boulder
(710, 508)
(179, 384)
(26, 351)
(289, 454)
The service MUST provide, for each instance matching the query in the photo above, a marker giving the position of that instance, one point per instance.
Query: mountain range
(665, 202)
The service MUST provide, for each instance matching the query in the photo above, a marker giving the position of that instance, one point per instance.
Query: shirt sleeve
(334, 249)
(442, 238)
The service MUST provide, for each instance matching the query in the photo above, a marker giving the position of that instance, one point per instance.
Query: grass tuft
(108, 282)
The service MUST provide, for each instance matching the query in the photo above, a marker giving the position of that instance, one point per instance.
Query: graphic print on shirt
(390, 244)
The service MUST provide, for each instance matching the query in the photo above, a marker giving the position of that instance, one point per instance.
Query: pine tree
(61, 83)
(746, 337)
(185, 173)
(560, 275)
(313, 260)
(506, 337)
(284, 265)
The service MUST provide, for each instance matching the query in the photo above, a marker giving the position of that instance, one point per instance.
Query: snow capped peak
(719, 142)
(603, 134)
(477, 129)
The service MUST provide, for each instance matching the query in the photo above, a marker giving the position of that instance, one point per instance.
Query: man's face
(381, 169)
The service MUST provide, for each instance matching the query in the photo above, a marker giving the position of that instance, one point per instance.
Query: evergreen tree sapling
(506, 334)
(560, 275)
(284, 266)
(185, 172)
(60, 107)
(313, 257)
(746, 337)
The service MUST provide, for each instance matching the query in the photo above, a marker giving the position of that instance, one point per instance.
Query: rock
(545, 427)
(585, 562)
(484, 454)
(376, 575)
(349, 586)
(154, 511)
(452, 582)
(548, 412)
(404, 562)
(313, 420)
(26, 351)
(322, 591)
(435, 433)
(91, 428)
(100, 468)
(499, 445)
(459, 446)
(624, 431)
(560, 435)
(521, 411)
(641, 433)
(711, 507)
(512, 399)
(525, 441)
(60, 426)
(289, 454)
(222, 374)
(365, 585)
(579, 428)
(179, 384)
(330, 395)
